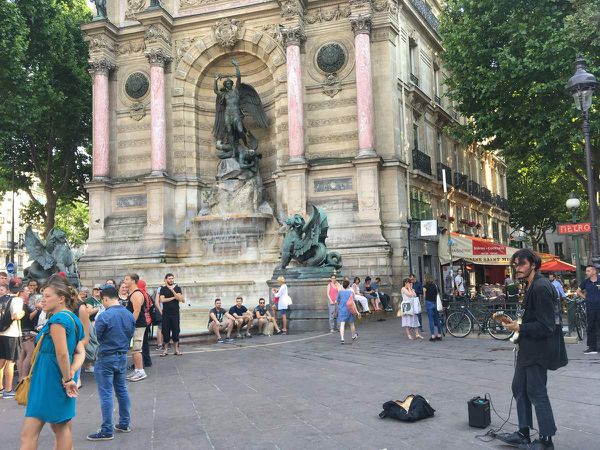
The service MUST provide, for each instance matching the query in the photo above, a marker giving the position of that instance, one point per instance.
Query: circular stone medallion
(136, 85)
(331, 57)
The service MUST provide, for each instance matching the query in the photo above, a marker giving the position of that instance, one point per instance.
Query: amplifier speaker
(479, 412)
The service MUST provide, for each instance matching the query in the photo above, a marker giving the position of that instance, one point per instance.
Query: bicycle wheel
(581, 324)
(497, 330)
(459, 324)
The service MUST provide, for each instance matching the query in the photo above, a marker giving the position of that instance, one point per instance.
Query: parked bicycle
(460, 323)
(576, 316)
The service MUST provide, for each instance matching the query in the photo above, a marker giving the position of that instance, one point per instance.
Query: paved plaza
(306, 391)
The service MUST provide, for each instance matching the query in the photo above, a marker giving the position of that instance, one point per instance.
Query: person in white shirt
(459, 284)
(282, 300)
(9, 339)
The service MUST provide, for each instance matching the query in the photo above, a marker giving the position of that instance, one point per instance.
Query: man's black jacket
(536, 343)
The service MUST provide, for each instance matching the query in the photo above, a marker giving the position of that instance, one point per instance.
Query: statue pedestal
(309, 310)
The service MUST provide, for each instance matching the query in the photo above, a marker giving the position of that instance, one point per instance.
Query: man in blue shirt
(590, 290)
(114, 330)
(558, 286)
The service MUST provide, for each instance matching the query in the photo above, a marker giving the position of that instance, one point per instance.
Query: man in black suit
(536, 353)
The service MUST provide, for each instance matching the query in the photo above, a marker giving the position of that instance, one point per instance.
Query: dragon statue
(50, 258)
(305, 242)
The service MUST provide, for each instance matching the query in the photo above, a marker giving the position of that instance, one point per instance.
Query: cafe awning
(478, 251)
(556, 265)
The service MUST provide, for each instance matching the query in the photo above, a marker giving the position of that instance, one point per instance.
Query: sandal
(284, 331)
(178, 353)
(164, 354)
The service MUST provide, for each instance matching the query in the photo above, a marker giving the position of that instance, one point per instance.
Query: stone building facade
(354, 93)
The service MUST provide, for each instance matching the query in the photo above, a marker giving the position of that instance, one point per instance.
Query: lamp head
(582, 86)
(573, 203)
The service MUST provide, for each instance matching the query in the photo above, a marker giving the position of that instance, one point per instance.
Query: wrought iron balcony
(461, 181)
(421, 161)
(426, 14)
(441, 167)
(474, 189)
(454, 114)
(503, 204)
(486, 195)
(414, 80)
(437, 99)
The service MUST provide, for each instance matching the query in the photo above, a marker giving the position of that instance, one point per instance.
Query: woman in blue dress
(343, 314)
(53, 390)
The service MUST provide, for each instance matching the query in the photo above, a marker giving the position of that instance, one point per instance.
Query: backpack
(6, 319)
(412, 408)
(149, 307)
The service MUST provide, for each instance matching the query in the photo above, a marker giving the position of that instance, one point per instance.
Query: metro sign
(574, 228)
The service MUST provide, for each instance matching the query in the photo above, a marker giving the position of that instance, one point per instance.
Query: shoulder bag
(438, 301)
(351, 305)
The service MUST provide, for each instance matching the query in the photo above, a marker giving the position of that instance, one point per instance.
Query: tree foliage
(71, 216)
(45, 100)
(537, 194)
(509, 62)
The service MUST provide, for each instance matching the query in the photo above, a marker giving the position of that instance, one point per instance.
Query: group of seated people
(369, 296)
(239, 317)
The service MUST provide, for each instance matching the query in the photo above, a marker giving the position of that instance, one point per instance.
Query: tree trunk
(50, 208)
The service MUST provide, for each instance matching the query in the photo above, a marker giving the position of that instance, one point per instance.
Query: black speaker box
(479, 412)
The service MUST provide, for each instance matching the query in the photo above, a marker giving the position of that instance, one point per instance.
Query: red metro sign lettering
(574, 228)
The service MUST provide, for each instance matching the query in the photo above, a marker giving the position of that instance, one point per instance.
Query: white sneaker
(138, 376)
(130, 375)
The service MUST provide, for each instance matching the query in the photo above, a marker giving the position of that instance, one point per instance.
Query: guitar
(502, 317)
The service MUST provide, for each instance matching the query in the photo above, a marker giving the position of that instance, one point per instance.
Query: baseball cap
(109, 291)
(97, 286)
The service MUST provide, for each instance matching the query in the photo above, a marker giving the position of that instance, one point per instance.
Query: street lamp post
(582, 86)
(573, 204)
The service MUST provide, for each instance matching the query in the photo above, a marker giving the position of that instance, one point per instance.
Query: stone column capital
(101, 66)
(361, 24)
(293, 36)
(158, 57)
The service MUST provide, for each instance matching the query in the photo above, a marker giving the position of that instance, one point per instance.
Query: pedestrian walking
(431, 293)
(53, 388)
(28, 333)
(114, 329)
(136, 304)
(146, 359)
(333, 287)
(170, 296)
(408, 308)
(11, 312)
(590, 290)
(345, 314)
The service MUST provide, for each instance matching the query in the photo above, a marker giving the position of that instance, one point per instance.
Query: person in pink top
(333, 287)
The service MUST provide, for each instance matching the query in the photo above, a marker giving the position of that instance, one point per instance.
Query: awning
(556, 265)
(478, 251)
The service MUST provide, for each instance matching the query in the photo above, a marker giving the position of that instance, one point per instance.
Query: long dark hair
(63, 289)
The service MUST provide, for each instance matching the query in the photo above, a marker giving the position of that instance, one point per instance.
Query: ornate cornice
(157, 33)
(101, 66)
(158, 57)
(361, 24)
(293, 36)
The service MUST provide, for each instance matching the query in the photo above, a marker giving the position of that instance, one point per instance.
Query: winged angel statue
(55, 256)
(305, 242)
(233, 103)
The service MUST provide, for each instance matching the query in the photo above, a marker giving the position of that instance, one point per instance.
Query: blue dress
(47, 399)
(343, 313)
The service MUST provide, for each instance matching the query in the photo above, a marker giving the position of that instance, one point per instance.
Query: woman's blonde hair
(62, 288)
(281, 279)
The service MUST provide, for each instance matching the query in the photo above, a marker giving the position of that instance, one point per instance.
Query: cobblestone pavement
(306, 391)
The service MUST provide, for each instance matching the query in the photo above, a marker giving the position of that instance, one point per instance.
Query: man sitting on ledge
(383, 298)
(218, 322)
(262, 319)
(241, 317)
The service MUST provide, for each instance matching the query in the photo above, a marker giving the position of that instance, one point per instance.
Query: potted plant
(471, 224)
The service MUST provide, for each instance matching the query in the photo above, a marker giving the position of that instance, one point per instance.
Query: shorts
(138, 339)
(222, 326)
(255, 321)
(9, 348)
(283, 312)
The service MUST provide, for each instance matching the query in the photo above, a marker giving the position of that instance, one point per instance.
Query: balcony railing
(461, 181)
(437, 99)
(421, 161)
(474, 189)
(454, 114)
(503, 204)
(486, 195)
(414, 80)
(441, 167)
(426, 14)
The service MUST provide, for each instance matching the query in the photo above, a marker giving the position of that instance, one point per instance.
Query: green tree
(509, 62)
(46, 120)
(536, 195)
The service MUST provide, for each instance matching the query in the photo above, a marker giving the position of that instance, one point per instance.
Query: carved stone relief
(226, 32)
(385, 5)
(134, 7)
(137, 111)
(328, 15)
(101, 42)
(157, 34)
(331, 57)
(331, 85)
(131, 47)
(136, 85)
(291, 9)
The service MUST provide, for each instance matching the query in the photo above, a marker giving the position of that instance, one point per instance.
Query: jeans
(384, 299)
(420, 317)
(331, 316)
(593, 328)
(109, 372)
(434, 317)
(146, 360)
(529, 387)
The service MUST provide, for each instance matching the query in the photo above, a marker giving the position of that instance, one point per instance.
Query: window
(413, 52)
(558, 249)
(420, 205)
(504, 233)
(440, 146)
(416, 135)
(495, 231)
(542, 247)
(436, 84)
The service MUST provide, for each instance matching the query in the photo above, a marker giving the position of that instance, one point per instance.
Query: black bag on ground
(411, 409)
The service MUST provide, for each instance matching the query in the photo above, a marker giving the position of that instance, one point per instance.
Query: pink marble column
(364, 86)
(158, 135)
(293, 38)
(100, 118)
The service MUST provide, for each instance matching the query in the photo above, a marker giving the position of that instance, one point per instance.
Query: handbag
(351, 305)
(22, 391)
(417, 305)
(438, 301)
(560, 358)
(406, 307)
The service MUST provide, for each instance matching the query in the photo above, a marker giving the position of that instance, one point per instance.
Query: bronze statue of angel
(232, 104)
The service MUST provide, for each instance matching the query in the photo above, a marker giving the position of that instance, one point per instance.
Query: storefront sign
(574, 228)
(429, 228)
